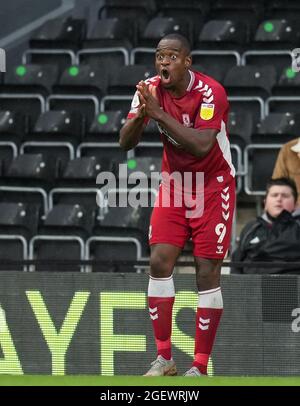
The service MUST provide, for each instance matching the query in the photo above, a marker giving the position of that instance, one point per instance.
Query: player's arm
(196, 142)
(131, 132)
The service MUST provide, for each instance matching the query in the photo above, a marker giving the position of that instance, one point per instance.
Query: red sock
(161, 299)
(160, 309)
(208, 316)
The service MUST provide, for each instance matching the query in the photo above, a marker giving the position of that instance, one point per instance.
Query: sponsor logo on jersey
(207, 111)
(163, 131)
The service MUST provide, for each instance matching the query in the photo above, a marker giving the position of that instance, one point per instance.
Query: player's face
(171, 62)
(279, 198)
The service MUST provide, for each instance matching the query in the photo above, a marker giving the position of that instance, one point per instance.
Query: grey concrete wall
(14, 14)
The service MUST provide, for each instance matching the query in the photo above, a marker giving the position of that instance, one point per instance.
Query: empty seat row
(21, 218)
(129, 31)
(47, 169)
(85, 80)
(70, 229)
(59, 126)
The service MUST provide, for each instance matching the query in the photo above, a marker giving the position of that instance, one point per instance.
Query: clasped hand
(149, 105)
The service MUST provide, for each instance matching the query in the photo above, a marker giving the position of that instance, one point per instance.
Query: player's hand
(148, 97)
(141, 111)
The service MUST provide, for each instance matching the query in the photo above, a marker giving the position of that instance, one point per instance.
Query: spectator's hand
(148, 97)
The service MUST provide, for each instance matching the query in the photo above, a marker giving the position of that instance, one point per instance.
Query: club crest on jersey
(186, 120)
(207, 111)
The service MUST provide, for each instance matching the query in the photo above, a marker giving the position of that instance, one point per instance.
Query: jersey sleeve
(213, 108)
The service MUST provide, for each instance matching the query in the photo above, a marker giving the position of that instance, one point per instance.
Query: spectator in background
(288, 164)
(274, 236)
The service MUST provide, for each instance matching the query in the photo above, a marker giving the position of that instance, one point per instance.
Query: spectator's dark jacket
(269, 240)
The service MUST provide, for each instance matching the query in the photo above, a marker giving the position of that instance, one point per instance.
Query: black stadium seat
(82, 79)
(58, 126)
(29, 105)
(194, 11)
(125, 224)
(278, 128)
(31, 78)
(105, 248)
(32, 170)
(240, 127)
(83, 171)
(127, 77)
(262, 161)
(18, 222)
(18, 218)
(12, 126)
(106, 127)
(68, 219)
(136, 12)
(61, 236)
(146, 165)
(223, 34)
(51, 150)
(278, 34)
(110, 32)
(283, 8)
(158, 27)
(249, 11)
(280, 59)
(59, 33)
(250, 80)
(288, 83)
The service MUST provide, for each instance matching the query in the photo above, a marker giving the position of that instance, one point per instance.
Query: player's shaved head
(180, 38)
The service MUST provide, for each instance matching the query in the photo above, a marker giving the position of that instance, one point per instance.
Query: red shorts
(208, 223)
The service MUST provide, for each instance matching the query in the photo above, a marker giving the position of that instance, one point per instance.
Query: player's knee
(208, 274)
(160, 266)
(204, 272)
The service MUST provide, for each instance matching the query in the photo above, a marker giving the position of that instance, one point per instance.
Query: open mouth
(165, 75)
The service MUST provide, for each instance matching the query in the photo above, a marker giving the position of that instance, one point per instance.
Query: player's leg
(209, 310)
(161, 295)
(211, 236)
(167, 236)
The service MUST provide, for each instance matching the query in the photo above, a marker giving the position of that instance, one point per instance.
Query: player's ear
(188, 61)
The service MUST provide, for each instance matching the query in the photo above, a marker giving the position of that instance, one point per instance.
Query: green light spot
(131, 164)
(102, 119)
(73, 71)
(269, 27)
(290, 74)
(21, 70)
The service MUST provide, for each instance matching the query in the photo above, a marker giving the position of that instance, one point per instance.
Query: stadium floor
(92, 380)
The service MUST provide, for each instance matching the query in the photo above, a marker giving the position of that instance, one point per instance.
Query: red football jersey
(204, 105)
